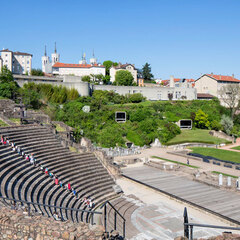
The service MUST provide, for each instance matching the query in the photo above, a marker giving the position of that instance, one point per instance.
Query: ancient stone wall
(16, 225)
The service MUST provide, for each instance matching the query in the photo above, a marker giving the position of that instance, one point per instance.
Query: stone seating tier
(22, 181)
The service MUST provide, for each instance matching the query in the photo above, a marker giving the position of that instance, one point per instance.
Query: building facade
(16, 62)
(153, 93)
(212, 84)
(78, 69)
(129, 67)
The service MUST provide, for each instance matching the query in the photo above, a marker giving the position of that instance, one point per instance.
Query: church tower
(55, 56)
(45, 61)
(93, 60)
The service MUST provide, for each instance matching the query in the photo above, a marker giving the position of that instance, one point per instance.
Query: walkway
(225, 204)
(159, 217)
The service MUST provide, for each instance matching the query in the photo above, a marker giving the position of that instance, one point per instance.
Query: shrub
(227, 124)
(201, 120)
(215, 125)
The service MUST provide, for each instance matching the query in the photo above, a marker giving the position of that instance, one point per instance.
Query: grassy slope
(218, 153)
(236, 148)
(3, 124)
(197, 135)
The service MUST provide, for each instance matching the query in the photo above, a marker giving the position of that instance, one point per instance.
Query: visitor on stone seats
(8, 142)
(46, 171)
(60, 184)
(2, 139)
(13, 149)
(56, 217)
(19, 150)
(41, 168)
(56, 180)
(27, 157)
(69, 187)
(74, 191)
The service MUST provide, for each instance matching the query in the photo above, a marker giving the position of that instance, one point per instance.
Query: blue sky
(184, 38)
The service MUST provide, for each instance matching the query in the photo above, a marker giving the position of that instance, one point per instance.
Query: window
(27, 62)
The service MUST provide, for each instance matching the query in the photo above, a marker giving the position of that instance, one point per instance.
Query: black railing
(50, 206)
(116, 213)
(189, 234)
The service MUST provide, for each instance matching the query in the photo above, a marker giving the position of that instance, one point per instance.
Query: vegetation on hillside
(145, 120)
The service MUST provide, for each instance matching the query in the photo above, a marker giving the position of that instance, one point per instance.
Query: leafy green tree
(106, 79)
(37, 72)
(8, 87)
(227, 124)
(123, 78)
(30, 98)
(201, 120)
(108, 64)
(86, 78)
(146, 72)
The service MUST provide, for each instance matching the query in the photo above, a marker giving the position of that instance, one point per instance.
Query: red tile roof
(223, 78)
(70, 65)
(204, 95)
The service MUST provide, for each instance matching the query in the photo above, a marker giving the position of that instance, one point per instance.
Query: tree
(227, 124)
(86, 78)
(37, 72)
(201, 120)
(229, 95)
(8, 87)
(146, 72)
(123, 78)
(107, 64)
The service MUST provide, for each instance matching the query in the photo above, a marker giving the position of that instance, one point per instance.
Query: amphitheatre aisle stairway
(22, 181)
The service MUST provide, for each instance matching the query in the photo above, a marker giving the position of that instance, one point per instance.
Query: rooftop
(70, 65)
(16, 53)
(223, 78)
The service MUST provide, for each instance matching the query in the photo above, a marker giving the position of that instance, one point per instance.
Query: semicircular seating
(22, 181)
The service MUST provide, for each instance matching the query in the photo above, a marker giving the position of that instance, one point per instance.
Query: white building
(47, 63)
(78, 69)
(16, 62)
(55, 67)
(129, 67)
(212, 84)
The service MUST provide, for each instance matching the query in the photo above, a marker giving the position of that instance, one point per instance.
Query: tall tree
(107, 64)
(8, 87)
(123, 78)
(146, 72)
(229, 95)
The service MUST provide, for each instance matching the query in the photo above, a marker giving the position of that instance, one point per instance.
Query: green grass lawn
(15, 120)
(59, 128)
(218, 153)
(237, 148)
(3, 124)
(224, 174)
(180, 163)
(198, 135)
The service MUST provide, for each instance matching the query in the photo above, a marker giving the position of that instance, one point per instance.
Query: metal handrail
(186, 225)
(116, 212)
(50, 206)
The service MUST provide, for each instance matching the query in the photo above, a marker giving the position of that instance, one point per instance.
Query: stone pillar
(238, 187)
(220, 180)
(229, 181)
